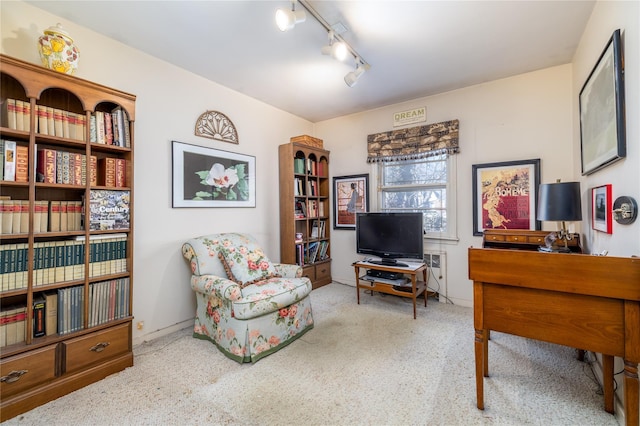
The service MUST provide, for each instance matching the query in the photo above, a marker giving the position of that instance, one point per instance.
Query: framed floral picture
(505, 195)
(601, 209)
(207, 177)
(350, 196)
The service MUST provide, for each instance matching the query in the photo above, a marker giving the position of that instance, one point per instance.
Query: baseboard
(163, 332)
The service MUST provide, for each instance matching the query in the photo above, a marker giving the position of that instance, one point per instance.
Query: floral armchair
(246, 305)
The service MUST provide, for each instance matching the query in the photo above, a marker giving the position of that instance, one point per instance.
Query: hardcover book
(108, 210)
(39, 317)
(22, 163)
(9, 160)
(20, 115)
(8, 117)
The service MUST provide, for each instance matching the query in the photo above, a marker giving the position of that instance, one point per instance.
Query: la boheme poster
(506, 196)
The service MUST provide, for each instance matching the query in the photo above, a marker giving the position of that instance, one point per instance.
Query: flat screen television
(390, 236)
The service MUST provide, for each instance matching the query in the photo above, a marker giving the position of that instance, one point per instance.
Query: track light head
(287, 19)
(352, 78)
(337, 49)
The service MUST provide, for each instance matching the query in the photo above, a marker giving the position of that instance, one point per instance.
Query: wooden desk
(417, 287)
(577, 300)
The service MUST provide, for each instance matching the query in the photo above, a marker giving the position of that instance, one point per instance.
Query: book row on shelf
(108, 128)
(62, 311)
(309, 208)
(63, 260)
(318, 229)
(48, 216)
(314, 252)
(308, 166)
(58, 166)
(310, 190)
(108, 210)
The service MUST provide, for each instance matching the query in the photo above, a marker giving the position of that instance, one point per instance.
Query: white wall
(624, 176)
(169, 100)
(517, 118)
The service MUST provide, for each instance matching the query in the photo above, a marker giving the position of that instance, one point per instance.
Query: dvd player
(385, 274)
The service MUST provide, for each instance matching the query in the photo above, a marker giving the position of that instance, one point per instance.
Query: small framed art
(207, 177)
(601, 209)
(350, 196)
(505, 195)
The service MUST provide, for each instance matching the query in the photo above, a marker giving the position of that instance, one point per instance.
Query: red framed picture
(601, 209)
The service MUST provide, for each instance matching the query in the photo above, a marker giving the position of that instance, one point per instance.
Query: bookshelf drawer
(309, 272)
(323, 271)
(27, 370)
(95, 348)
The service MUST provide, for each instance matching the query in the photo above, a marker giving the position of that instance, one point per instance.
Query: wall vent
(437, 274)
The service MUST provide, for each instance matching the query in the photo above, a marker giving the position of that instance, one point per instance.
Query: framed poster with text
(505, 195)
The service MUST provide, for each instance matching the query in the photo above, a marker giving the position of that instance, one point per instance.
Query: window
(422, 185)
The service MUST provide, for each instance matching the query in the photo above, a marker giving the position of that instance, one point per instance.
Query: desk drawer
(494, 238)
(27, 370)
(516, 239)
(95, 348)
(536, 240)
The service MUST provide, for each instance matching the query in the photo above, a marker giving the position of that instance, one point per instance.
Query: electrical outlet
(140, 325)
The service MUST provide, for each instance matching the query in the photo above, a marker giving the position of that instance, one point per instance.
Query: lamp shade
(559, 202)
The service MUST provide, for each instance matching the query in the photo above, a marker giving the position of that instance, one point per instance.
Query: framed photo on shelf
(602, 121)
(350, 196)
(505, 195)
(207, 177)
(601, 209)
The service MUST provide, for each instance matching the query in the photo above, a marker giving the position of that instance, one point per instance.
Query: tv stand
(388, 262)
(411, 290)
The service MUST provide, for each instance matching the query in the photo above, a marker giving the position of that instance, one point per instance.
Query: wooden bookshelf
(304, 210)
(64, 256)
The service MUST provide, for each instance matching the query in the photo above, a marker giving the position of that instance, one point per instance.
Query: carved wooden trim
(216, 125)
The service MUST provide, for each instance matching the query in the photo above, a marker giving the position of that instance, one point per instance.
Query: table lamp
(559, 202)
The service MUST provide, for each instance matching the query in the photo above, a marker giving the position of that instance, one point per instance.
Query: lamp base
(554, 249)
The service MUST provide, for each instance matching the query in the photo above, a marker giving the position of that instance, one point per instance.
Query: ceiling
(415, 48)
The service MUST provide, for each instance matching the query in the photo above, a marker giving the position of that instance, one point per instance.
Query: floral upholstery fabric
(247, 323)
(243, 259)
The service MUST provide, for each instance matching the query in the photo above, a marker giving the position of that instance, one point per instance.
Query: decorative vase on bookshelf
(57, 50)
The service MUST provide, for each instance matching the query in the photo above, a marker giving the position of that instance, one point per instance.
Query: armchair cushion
(243, 260)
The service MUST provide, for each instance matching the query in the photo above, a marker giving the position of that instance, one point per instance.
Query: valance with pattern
(413, 142)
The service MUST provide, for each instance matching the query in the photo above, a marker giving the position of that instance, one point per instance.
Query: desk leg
(426, 290)
(607, 378)
(481, 354)
(631, 393)
(413, 296)
(357, 283)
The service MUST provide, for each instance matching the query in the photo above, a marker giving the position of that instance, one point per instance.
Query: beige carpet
(368, 364)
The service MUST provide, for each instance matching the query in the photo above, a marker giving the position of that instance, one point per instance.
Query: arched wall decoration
(216, 125)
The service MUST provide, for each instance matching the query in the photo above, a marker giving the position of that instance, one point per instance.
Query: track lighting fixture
(337, 49)
(287, 19)
(352, 78)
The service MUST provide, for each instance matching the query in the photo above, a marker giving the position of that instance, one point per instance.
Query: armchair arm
(214, 285)
(288, 271)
